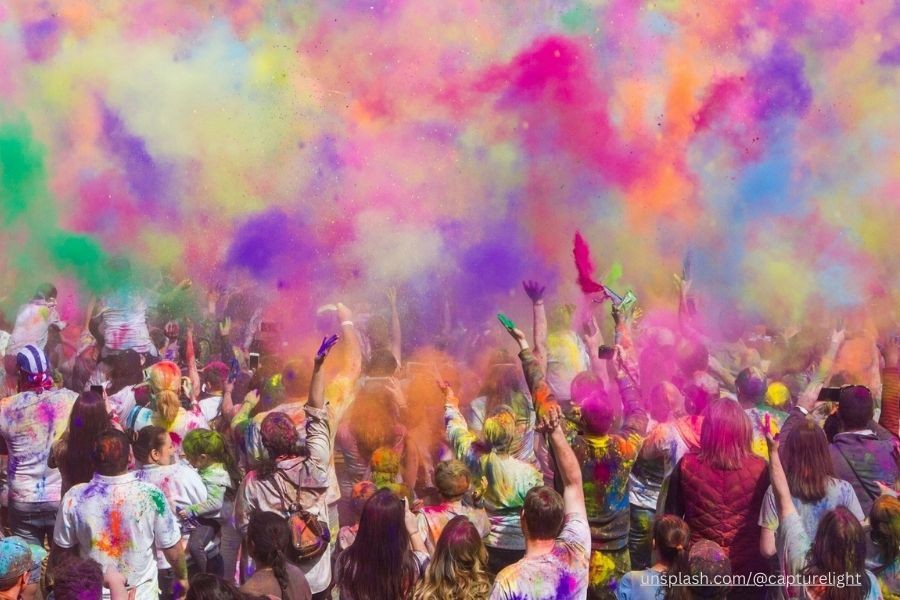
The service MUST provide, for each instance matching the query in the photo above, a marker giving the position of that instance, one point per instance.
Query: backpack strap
(852, 468)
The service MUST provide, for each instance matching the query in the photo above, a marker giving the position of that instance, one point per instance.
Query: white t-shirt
(32, 325)
(125, 322)
(211, 407)
(180, 484)
(118, 521)
(121, 403)
(30, 423)
(561, 574)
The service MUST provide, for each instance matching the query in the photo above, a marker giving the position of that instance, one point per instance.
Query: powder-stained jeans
(33, 521)
(640, 537)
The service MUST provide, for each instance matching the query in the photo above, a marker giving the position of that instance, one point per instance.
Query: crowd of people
(163, 456)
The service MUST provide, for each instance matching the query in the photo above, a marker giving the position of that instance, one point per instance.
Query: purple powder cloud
(41, 38)
(145, 176)
(780, 85)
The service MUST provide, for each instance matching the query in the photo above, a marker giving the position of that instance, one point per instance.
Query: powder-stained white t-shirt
(561, 574)
(32, 326)
(181, 485)
(30, 423)
(118, 521)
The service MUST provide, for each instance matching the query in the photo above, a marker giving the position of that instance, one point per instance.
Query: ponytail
(279, 569)
(673, 542)
(165, 389)
(167, 405)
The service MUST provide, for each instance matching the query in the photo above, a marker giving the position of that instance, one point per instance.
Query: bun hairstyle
(147, 439)
(672, 536)
(165, 389)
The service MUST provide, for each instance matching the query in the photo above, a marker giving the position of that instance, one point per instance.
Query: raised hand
(838, 336)
(534, 290)
(225, 327)
(549, 416)
(683, 286)
(592, 335)
(391, 294)
(343, 313)
(326, 346)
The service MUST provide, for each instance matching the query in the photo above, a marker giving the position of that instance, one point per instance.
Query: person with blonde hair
(165, 409)
(453, 480)
(458, 569)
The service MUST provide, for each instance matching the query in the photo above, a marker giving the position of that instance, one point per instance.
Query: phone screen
(606, 352)
(254, 361)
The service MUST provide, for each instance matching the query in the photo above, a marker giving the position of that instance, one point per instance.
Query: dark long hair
(206, 586)
(87, 421)
(807, 461)
(380, 564)
(126, 370)
(839, 548)
(269, 537)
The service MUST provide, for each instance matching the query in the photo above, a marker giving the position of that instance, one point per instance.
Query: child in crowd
(207, 452)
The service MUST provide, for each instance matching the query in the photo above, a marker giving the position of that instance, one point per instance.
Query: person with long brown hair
(719, 490)
(458, 570)
(814, 488)
(836, 551)
(388, 556)
(88, 419)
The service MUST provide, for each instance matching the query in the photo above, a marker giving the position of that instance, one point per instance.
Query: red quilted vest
(723, 506)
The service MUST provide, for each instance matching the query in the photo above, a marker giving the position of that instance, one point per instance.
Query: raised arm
(462, 441)
(569, 472)
(635, 418)
(228, 398)
(807, 400)
(592, 336)
(545, 405)
(352, 353)
(535, 292)
(317, 385)
(191, 358)
(780, 488)
(396, 332)
(548, 413)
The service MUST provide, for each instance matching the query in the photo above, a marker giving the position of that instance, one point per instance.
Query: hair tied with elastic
(679, 547)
